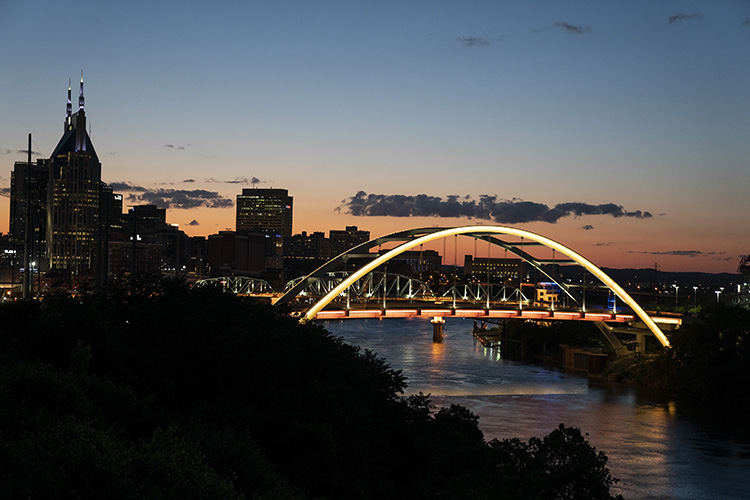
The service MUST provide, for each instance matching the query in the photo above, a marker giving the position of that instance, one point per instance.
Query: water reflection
(655, 450)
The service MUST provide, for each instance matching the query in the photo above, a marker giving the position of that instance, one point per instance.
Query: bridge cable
(520, 283)
(489, 251)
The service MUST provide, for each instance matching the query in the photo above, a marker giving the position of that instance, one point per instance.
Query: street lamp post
(676, 294)
(695, 293)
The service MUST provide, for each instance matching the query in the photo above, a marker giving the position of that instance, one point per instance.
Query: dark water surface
(655, 450)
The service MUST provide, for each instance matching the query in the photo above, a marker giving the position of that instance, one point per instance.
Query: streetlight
(717, 292)
(676, 294)
(695, 293)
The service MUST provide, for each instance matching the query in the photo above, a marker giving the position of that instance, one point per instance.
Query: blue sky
(638, 104)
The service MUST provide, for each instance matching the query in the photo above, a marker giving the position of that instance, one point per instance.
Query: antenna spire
(68, 108)
(80, 97)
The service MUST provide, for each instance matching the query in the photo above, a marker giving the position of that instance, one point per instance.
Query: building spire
(80, 97)
(68, 108)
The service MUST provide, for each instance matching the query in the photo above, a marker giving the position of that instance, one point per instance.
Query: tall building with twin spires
(69, 202)
(74, 224)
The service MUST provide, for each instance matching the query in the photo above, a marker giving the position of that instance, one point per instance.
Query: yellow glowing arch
(468, 230)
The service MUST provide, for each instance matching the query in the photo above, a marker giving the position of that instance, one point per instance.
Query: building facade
(74, 199)
(494, 268)
(28, 197)
(267, 211)
(303, 253)
(343, 240)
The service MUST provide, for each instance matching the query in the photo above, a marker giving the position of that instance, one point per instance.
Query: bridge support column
(641, 340)
(437, 329)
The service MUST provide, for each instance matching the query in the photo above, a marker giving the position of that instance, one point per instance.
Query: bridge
(314, 295)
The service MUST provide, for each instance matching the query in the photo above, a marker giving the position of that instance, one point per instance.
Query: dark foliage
(540, 340)
(709, 362)
(157, 390)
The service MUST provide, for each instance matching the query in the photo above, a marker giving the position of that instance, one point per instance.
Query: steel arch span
(487, 232)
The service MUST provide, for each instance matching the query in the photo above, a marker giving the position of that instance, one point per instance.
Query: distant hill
(652, 277)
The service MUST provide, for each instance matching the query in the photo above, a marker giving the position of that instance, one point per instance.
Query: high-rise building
(496, 268)
(267, 211)
(341, 241)
(305, 252)
(144, 219)
(28, 197)
(231, 253)
(75, 226)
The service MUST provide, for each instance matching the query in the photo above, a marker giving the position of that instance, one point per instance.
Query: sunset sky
(620, 129)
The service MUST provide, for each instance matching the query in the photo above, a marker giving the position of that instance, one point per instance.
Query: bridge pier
(437, 329)
(640, 338)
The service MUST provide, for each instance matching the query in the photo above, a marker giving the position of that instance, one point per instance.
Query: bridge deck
(536, 314)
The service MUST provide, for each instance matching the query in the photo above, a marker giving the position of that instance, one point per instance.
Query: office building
(343, 240)
(494, 268)
(28, 196)
(75, 226)
(235, 254)
(267, 211)
(303, 253)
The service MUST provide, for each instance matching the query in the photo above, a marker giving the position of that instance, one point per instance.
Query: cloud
(678, 18)
(189, 180)
(746, 21)
(472, 41)
(193, 223)
(236, 180)
(486, 207)
(18, 152)
(587, 227)
(680, 253)
(5, 191)
(172, 198)
(172, 146)
(572, 29)
(126, 187)
(181, 198)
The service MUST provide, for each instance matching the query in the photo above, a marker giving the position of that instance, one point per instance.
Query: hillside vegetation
(156, 390)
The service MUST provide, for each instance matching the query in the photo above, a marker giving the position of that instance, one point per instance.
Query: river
(656, 450)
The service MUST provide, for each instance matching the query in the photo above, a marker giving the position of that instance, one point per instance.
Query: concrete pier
(437, 329)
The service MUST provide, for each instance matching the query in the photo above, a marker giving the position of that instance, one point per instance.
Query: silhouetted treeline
(532, 342)
(157, 390)
(708, 365)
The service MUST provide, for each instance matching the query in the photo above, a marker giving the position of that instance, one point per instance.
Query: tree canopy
(158, 390)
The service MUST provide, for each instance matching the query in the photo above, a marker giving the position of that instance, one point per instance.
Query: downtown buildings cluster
(68, 230)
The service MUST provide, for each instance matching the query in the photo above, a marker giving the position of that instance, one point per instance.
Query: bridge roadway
(433, 310)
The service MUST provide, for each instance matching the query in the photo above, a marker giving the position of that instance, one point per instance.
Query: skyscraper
(266, 211)
(28, 197)
(341, 241)
(75, 226)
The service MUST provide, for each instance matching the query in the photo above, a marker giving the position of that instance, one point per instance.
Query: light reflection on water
(656, 452)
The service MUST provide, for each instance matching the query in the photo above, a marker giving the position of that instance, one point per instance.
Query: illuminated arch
(485, 231)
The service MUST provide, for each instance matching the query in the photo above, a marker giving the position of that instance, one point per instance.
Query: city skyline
(619, 131)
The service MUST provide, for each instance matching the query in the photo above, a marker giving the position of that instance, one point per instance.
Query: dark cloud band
(573, 29)
(678, 18)
(486, 207)
(172, 198)
(472, 41)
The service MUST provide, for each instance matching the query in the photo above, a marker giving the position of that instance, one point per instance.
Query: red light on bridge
(401, 313)
(331, 315)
